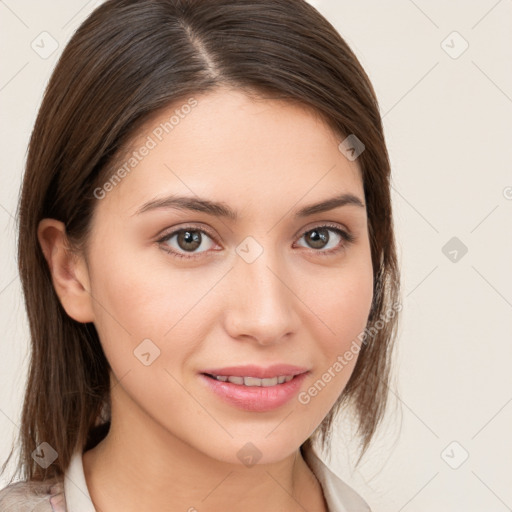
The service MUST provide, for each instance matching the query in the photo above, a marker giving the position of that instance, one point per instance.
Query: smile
(253, 381)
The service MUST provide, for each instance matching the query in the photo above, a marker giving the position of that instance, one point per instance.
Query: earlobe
(69, 272)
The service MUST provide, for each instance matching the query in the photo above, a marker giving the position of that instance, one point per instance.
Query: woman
(207, 256)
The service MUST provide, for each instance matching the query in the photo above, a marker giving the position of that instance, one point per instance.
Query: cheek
(342, 307)
(343, 303)
(135, 302)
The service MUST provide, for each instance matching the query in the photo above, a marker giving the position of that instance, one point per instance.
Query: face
(181, 292)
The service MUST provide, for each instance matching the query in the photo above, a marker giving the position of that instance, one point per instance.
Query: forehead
(237, 149)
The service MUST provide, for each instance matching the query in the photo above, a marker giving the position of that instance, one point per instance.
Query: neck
(139, 462)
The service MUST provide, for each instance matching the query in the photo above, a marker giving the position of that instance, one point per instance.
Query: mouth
(253, 393)
(251, 371)
(251, 381)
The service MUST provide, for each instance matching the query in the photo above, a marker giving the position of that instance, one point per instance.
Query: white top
(72, 495)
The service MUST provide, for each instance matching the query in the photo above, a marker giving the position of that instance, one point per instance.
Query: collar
(338, 495)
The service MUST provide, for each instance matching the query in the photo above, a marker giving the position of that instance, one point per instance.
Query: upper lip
(260, 372)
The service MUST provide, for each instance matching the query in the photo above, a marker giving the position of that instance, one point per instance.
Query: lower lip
(255, 398)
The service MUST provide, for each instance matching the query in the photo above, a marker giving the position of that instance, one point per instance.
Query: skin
(171, 439)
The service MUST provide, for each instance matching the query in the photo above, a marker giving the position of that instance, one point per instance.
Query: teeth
(254, 381)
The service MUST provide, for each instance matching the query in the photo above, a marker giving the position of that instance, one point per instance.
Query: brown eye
(187, 240)
(184, 242)
(320, 237)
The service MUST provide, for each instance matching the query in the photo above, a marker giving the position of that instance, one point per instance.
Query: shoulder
(33, 496)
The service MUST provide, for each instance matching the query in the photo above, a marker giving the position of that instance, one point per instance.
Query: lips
(259, 372)
(252, 381)
(255, 398)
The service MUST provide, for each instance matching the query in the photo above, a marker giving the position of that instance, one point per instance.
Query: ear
(69, 271)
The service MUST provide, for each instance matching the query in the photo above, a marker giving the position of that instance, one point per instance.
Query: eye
(188, 239)
(319, 238)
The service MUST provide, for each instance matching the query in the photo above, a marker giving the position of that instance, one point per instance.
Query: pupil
(190, 237)
(319, 237)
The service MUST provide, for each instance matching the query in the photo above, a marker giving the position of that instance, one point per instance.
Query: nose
(261, 303)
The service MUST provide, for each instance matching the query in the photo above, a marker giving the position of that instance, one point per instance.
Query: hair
(126, 62)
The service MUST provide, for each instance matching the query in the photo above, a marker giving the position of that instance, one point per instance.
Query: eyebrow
(219, 209)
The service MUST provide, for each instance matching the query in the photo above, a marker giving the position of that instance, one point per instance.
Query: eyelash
(347, 237)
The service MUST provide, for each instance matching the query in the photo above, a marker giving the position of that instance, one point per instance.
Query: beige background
(447, 116)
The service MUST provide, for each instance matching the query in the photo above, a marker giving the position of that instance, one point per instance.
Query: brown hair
(126, 62)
